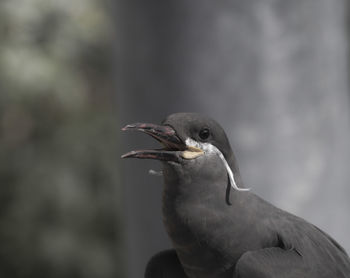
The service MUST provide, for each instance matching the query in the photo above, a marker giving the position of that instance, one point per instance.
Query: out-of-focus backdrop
(59, 188)
(274, 73)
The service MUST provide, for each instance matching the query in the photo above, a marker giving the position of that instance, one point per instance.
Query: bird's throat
(194, 206)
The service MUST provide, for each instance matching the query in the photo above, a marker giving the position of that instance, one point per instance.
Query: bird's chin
(175, 150)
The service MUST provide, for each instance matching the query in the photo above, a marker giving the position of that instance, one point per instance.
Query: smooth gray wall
(273, 73)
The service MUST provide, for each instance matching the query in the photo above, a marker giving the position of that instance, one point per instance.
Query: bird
(219, 228)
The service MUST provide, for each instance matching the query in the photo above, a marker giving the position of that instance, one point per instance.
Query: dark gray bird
(217, 227)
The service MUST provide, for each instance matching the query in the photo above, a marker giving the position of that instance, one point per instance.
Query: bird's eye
(204, 133)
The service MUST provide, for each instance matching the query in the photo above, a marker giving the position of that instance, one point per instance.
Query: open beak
(173, 147)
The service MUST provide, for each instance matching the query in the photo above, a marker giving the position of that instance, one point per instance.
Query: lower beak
(166, 135)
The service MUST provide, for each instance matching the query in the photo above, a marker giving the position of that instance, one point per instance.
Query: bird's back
(320, 253)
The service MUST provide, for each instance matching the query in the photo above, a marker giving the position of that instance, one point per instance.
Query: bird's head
(189, 140)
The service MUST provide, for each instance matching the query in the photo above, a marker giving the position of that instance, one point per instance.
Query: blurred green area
(59, 194)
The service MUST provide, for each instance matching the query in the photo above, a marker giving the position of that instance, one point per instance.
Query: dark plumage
(218, 232)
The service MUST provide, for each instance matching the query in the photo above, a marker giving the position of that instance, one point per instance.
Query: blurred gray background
(59, 177)
(274, 73)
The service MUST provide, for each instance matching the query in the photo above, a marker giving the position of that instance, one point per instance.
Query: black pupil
(204, 133)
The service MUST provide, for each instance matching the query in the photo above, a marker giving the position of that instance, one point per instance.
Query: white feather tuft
(155, 173)
(209, 148)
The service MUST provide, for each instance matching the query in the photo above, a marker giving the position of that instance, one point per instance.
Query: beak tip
(125, 155)
(129, 126)
(126, 127)
(129, 154)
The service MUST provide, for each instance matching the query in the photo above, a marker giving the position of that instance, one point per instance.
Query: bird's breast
(191, 228)
(203, 228)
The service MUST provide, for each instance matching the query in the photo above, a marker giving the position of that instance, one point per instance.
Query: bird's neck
(194, 207)
(208, 189)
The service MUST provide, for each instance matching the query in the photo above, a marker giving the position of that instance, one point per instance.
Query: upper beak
(166, 135)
